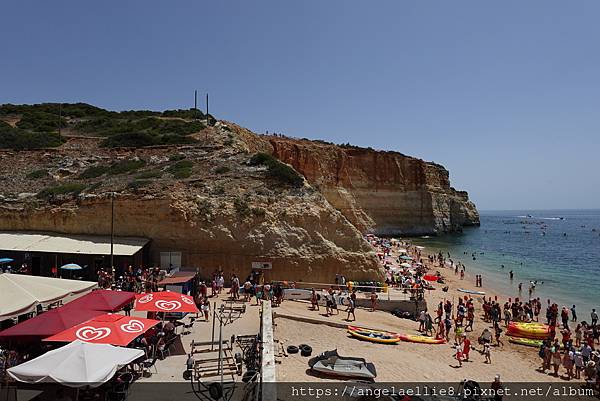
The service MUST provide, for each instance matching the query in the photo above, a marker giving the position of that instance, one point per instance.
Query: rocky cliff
(203, 191)
(226, 214)
(383, 192)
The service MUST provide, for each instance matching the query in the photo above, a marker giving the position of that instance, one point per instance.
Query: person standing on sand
(498, 333)
(556, 359)
(564, 316)
(422, 317)
(373, 301)
(573, 314)
(594, 317)
(458, 353)
(487, 352)
(497, 386)
(578, 362)
(314, 300)
(466, 347)
(351, 307)
(447, 327)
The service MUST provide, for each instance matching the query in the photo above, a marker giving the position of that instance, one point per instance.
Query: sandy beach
(405, 361)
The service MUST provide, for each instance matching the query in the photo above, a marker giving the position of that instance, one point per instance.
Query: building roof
(178, 278)
(29, 241)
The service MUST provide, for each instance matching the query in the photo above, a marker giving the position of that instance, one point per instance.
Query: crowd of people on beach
(571, 347)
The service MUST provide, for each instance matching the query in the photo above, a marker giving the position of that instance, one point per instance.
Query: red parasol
(430, 277)
(106, 329)
(165, 301)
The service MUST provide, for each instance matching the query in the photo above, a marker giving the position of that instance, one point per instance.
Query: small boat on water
(332, 364)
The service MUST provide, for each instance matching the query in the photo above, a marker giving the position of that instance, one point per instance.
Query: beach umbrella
(106, 329)
(6, 260)
(402, 250)
(407, 265)
(48, 323)
(165, 301)
(430, 277)
(404, 257)
(103, 300)
(78, 364)
(71, 266)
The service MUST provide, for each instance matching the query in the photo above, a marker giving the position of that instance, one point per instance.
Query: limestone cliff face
(384, 192)
(224, 219)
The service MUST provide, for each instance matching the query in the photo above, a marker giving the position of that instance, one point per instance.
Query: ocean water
(558, 248)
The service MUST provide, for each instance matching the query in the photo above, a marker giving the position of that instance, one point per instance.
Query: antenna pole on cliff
(59, 120)
(112, 229)
(207, 117)
(195, 100)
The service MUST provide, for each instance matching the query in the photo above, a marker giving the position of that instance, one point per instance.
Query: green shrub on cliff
(36, 174)
(93, 172)
(277, 169)
(125, 166)
(39, 121)
(19, 139)
(181, 169)
(65, 189)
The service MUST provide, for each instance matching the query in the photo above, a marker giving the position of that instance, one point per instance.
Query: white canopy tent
(25, 241)
(20, 293)
(78, 364)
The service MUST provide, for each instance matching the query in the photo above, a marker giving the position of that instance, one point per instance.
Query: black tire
(292, 349)
(306, 350)
(215, 391)
(302, 346)
(187, 375)
(249, 375)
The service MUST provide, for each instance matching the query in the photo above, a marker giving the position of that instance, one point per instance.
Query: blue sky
(506, 94)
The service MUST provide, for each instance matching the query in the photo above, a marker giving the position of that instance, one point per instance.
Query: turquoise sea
(558, 248)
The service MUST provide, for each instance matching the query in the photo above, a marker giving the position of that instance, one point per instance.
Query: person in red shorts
(466, 347)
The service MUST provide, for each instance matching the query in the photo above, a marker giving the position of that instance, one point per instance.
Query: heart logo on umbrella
(89, 333)
(133, 326)
(145, 299)
(187, 300)
(168, 305)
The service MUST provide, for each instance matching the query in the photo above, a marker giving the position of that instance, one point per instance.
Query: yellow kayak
(421, 339)
(525, 341)
(376, 336)
(538, 331)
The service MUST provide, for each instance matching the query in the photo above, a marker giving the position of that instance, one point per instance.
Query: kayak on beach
(421, 339)
(471, 291)
(525, 341)
(534, 331)
(377, 336)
